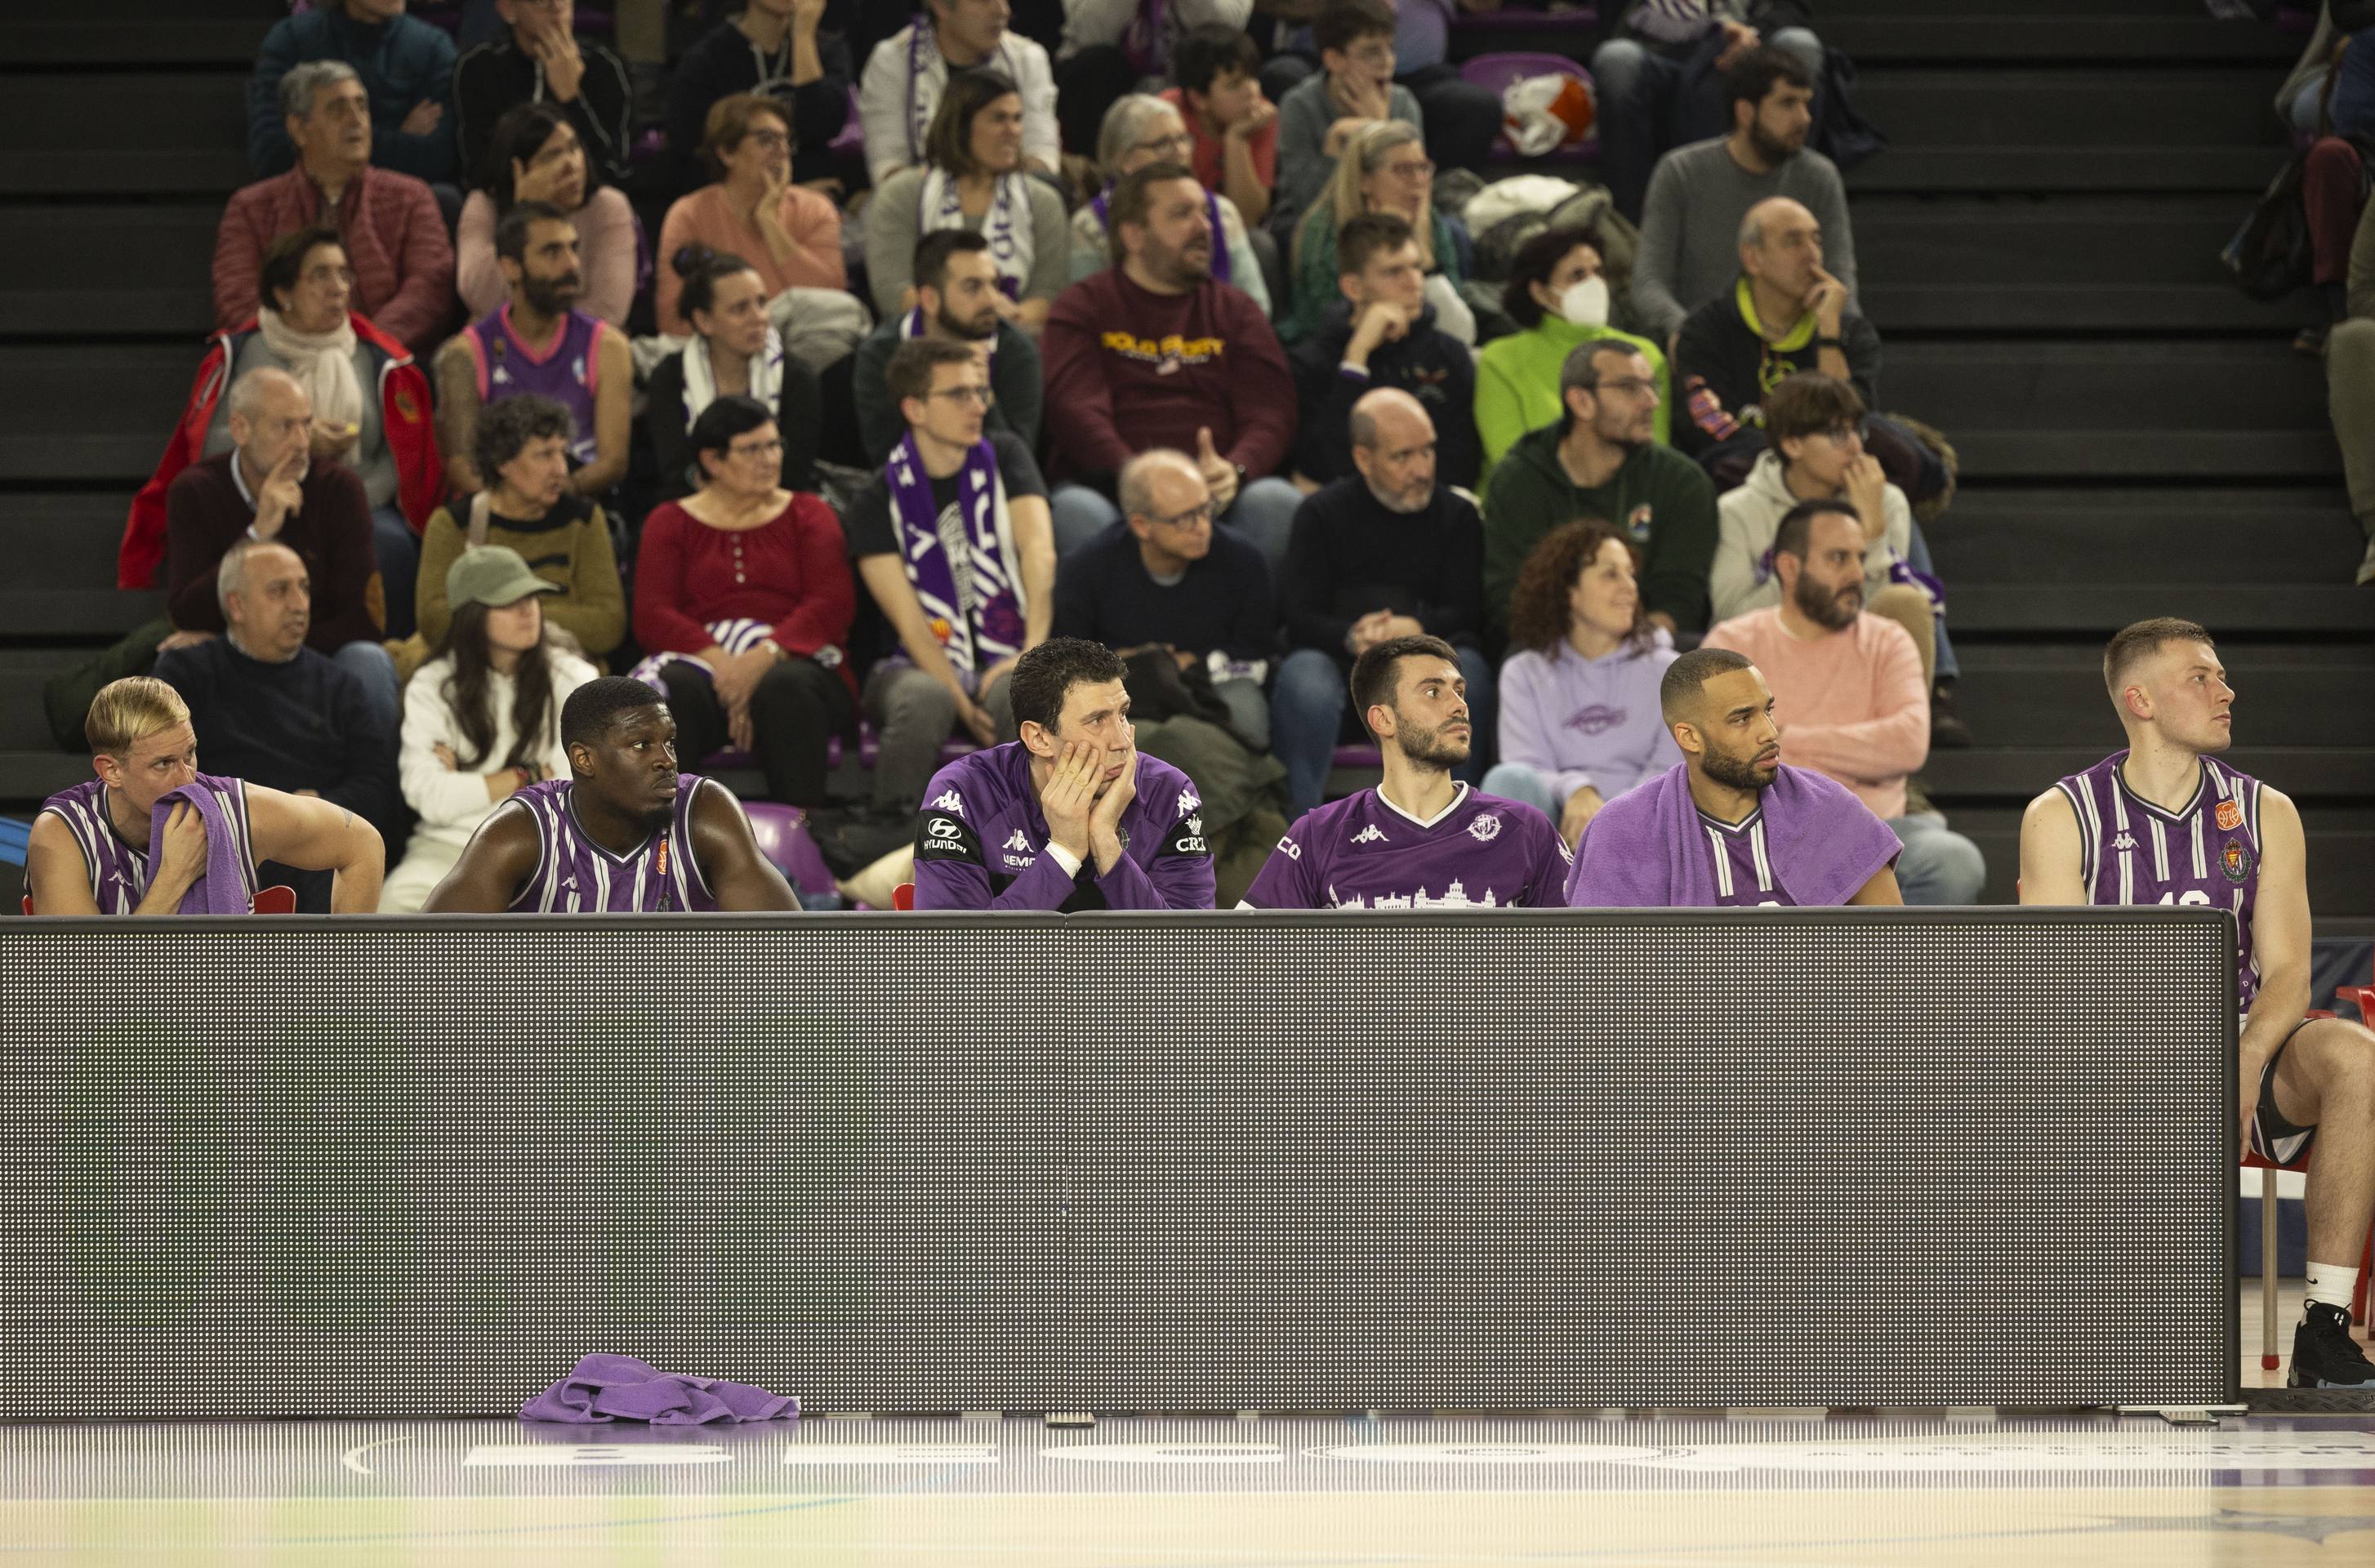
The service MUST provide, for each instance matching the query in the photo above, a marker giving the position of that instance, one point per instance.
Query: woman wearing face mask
(1385, 169)
(735, 352)
(482, 717)
(536, 156)
(1559, 299)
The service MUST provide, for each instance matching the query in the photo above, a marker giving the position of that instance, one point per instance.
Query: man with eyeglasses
(957, 300)
(952, 539)
(1356, 87)
(1602, 463)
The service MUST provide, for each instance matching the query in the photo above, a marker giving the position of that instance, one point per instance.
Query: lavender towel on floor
(221, 891)
(614, 1388)
(1644, 849)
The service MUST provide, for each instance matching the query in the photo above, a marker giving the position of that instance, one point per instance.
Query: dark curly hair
(505, 428)
(1539, 611)
(1535, 261)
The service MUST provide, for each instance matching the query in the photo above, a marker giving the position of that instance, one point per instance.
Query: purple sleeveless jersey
(119, 873)
(1363, 852)
(1743, 873)
(575, 875)
(2206, 856)
(567, 372)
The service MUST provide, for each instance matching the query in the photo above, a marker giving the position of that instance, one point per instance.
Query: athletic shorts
(2273, 1137)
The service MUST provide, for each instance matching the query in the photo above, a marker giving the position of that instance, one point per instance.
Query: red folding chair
(903, 896)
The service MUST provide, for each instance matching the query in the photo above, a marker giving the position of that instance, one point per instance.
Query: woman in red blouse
(749, 584)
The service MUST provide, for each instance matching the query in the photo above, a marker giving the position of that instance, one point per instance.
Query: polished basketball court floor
(1654, 1490)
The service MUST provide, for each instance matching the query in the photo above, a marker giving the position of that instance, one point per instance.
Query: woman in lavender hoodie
(1579, 720)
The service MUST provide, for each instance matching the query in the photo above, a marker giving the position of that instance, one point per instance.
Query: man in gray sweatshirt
(1690, 227)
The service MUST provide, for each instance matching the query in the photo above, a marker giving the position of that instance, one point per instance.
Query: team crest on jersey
(1485, 829)
(2235, 860)
(2230, 816)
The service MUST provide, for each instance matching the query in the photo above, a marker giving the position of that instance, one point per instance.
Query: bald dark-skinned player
(625, 833)
(1730, 826)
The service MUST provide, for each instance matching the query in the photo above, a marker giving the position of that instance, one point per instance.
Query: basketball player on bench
(625, 833)
(2166, 822)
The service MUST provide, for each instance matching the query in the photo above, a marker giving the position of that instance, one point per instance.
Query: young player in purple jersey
(1070, 816)
(2166, 822)
(1418, 840)
(625, 833)
(95, 850)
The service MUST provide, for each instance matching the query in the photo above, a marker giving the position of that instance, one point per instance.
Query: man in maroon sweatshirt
(1152, 353)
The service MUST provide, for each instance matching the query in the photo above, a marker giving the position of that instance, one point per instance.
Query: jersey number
(2190, 896)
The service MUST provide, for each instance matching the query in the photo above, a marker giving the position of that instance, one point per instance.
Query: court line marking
(351, 1455)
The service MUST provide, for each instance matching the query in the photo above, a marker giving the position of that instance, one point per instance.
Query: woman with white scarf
(734, 352)
(974, 179)
(302, 327)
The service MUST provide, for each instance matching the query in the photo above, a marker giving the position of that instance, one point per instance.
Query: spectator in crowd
(1660, 79)
(1153, 353)
(265, 486)
(2334, 175)
(791, 234)
(1580, 718)
(2350, 387)
(1462, 119)
(534, 156)
(1112, 46)
(972, 178)
(544, 63)
(1382, 553)
(1166, 580)
(747, 584)
(1815, 425)
(1235, 129)
(735, 352)
(1320, 118)
(276, 713)
(1385, 169)
(899, 96)
(371, 410)
(957, 300)
(94, 848)
(1139, 130)
(952, 539)
(1701, 194)
(540, 342)
(1067, 816)
(521, 446)
(1602, 462)
(773, 49)
(1559, 297)
(482, 717)
(395, 236)
(1382, 335)
(1847, 693)
(405, 67)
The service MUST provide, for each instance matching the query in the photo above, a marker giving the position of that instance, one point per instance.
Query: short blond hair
(128, 712)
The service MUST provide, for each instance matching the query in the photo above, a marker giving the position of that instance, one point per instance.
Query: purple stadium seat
(1497, 72)
(867, 747)
(853, 131)
(783, 835)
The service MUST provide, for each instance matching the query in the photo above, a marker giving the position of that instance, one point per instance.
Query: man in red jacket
(395, 238)
(1152, 353)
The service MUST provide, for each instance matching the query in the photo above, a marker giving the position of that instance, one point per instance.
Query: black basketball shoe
(2325, 1355)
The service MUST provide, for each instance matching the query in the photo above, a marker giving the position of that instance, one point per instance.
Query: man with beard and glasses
(1849, 687)
(1385, 552)
(625, 833)
(2165, 822)
(1155, 352)
(1698, 196)
(1731, 826)
(540, 342)
(1419, 840)
(1602, 462)
(957, 300)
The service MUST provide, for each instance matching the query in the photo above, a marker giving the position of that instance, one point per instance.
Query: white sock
(2333, 1283)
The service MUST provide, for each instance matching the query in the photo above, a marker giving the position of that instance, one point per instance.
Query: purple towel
(1644, 851)
(612, 1389)
(221, 891)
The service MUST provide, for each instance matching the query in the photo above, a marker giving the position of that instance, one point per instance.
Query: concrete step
(2003, 34)
(105, 41)
(177, 135)
(29, 777)
(89, 413)
(1959, 166)
(2077, 109)
(2168, 308)
(2099, 608)
(111, 271)
(22, 673)
(2012, 535)
(2014, 695)
(59, 542)
(2013, 242)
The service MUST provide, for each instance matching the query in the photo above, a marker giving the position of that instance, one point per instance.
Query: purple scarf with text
(995, 629)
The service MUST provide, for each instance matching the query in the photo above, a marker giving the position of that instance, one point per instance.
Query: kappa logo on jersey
(1485, 829)
(2235, 860)
(2229, 816)
(1370, 834)
(1290, 849)
(1015, 841)
(1188, 802)
(2125, 840)
(948, 801)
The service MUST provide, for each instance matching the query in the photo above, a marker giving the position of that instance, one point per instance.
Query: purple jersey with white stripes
(119, 873)
(575, 875)
(1364, 852)
(2131, 850)
(1744, 872)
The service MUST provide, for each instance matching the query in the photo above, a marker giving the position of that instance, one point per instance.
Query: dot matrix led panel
(1324, 1162)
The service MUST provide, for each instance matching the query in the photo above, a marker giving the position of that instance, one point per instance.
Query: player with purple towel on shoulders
(1418, 840)
(625, 833)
